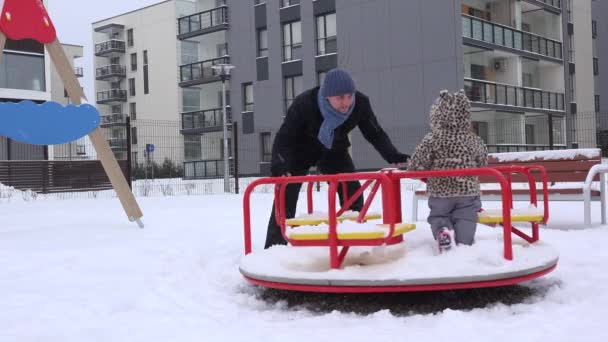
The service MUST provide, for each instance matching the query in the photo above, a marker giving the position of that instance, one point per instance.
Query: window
(131, 87)
(326, 34)
(192, 147)
(571, 48)
(594, 29)
(285, 3)
(133, 135)
(25, 72)
(292, 41)
(481, 129)
(133, 111)
(293, 87)
(597, 103)
(266, 147)
(321, 77)
(596, 67)
(530, 134)
(130, 37)
(258, 2)
(262, 42)
(116, 109)
(247, 97)
(133, 61)
(572, 88)
(146, 85)
(191, 99)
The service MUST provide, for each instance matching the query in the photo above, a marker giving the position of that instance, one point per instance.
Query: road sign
(149, 147)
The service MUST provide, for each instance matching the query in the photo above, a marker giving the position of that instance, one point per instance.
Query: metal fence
(164, 161)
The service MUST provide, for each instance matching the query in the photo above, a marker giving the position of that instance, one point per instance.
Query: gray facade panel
(600, 15)
(293, 68)
(289, 14)
(400, 53)
(326, 62)
(324, 6)
(260, 16)
(247, 123)
(261, 65)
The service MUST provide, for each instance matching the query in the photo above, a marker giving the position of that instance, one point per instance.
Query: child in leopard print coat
(454, 201)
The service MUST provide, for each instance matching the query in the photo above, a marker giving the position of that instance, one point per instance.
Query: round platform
(410, 266)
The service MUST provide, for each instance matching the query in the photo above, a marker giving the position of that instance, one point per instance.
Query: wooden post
(104, 153)
(2, 43)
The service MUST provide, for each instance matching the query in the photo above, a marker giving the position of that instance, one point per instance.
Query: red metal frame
(391, 203)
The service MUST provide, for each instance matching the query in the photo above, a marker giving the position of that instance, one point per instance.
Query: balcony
(118, 144)
(201, 72)
(203, 22)
(113, 120)
(110, 47)
(209, 120)
(206, 169)
(497, 95)
(78, 72)
(110, 71)
(111, 96)
(510, 39)
(551, 5)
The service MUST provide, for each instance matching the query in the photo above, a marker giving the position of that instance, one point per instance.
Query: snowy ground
(77, 270)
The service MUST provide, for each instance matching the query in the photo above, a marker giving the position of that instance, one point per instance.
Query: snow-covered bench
(573, 175)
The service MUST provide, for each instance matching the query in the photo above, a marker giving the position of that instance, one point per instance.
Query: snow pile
(550, 154)
(8, 193)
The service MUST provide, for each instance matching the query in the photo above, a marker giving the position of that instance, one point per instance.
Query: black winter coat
(297, 147)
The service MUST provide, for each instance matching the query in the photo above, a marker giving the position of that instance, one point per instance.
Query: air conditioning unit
(500, 64)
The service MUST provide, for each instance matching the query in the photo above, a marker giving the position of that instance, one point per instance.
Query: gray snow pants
(456, 213)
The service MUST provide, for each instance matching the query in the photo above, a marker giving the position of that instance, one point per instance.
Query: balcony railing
(217, 17)
(117, 143)
(113, 45)
(112, 95)
(554, 3)
(489, 32)
(509, 95)
(205, 119)
(113, 119)
(201, 71)
(112, 70)
(206, 168)
(78, 71)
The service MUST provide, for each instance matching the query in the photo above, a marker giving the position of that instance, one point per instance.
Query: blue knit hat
(337, 82)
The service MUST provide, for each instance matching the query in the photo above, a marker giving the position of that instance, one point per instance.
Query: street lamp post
(224, 72)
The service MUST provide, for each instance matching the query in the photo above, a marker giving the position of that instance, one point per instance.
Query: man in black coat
(315, 132)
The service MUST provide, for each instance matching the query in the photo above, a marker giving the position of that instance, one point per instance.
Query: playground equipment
(295, 268)
(21, 19)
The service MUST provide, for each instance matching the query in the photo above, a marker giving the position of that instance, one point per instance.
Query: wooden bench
(569, 174)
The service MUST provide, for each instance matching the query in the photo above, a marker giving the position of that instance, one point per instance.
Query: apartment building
(599, 32)
(136, 78)
(25, 74)
(76, 149)
(527, 66)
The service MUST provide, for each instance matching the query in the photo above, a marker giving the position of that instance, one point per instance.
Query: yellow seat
(493, 216)
(364, 232)
(314, 221)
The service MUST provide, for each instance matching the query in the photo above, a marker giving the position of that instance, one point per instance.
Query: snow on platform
(414, 262)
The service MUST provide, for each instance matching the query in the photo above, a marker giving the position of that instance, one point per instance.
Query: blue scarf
(331, 120)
